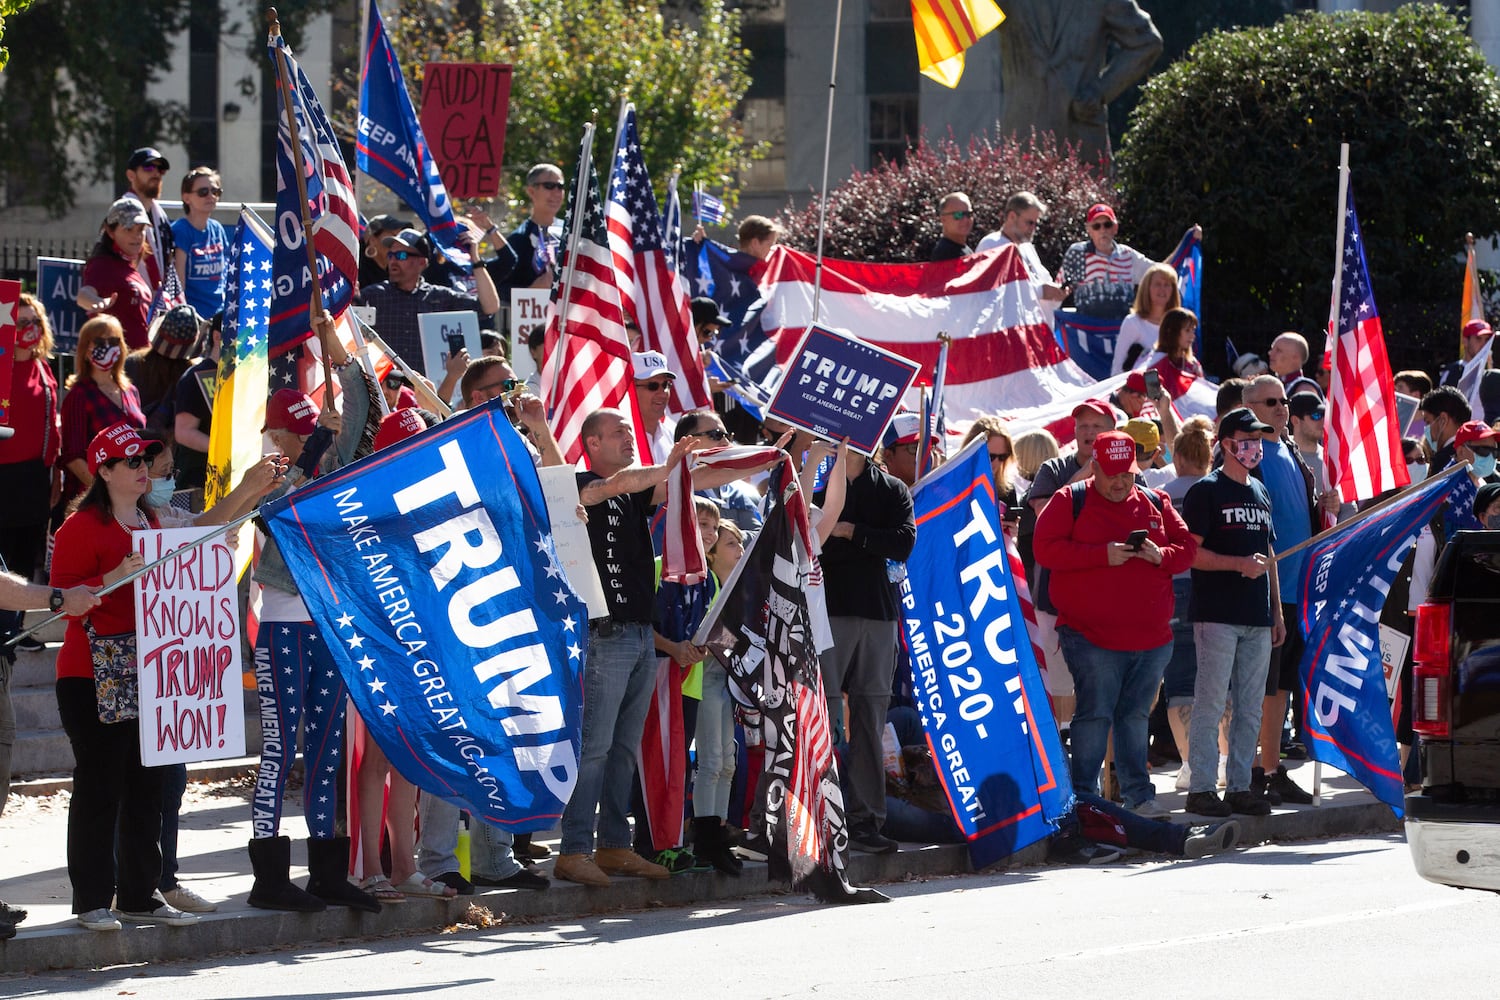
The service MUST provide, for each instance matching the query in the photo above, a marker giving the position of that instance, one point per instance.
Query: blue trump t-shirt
(207, 252)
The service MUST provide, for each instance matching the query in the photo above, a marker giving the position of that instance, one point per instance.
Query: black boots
(711, 844)
(271, 861)
(328, 875)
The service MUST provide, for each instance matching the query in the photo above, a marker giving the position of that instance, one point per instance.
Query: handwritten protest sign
(443, 335)
(188, 646)
(838, 386)
(528, 311)
(464, 106)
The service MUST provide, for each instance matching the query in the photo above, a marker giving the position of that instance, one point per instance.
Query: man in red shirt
(1112, 548)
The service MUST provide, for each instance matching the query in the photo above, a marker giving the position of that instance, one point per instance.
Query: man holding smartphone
(1112, 548)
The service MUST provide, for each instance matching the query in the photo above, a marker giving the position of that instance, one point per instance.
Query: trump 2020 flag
(974, 675)
(430, 570)
(1348, 576)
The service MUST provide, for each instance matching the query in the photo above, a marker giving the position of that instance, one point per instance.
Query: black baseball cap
(706, 310)
(1242, 420)
(416, 242)
(386, 224)
(147, 154)
(1307, 404)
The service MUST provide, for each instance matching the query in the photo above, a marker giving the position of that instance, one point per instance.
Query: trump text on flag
(188, 647)
(464, 107)
(837, 387)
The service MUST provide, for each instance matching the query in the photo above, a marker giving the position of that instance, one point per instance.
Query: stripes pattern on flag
(659, 757)
(331, 208)
(649, 289)
(593, 368)
(944, 29)
(1003, 354)
(707, 208)
(682, 545)
(813, 760)
(169, 295)
(671, 228)
(1362, 436)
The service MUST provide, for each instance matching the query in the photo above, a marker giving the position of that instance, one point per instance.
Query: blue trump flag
(975, 679)
(430, 570)
(391, 147)
(1348, 575)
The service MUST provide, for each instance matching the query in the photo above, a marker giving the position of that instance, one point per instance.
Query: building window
(893, 127)
(765, 121)
(203, 86)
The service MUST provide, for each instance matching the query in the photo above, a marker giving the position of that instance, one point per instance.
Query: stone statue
(1059, 73)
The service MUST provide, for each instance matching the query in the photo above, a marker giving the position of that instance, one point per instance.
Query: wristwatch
(55, 601)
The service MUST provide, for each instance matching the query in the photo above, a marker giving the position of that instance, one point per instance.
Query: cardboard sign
(570, 537)
(1393, 645)
(464, 106)
(528, 311)
(58, 280)
(188, 647)
(838, 386)
(441, 333)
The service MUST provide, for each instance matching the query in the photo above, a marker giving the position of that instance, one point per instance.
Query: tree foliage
(573, 62)
(890, 213)
(9, 8)
(1242, 135)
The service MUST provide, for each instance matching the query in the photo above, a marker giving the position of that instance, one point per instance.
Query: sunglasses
(405, 255)
(152, 167)
(107, 342)
(205, 192)
(960, 216)
(1482, 451)
(655, 385)
(504, 385)
(713, 434)
(1102, 224)
(133, 462)
(27, 323)
(548, 185)
(999, 458)
(1271, 402)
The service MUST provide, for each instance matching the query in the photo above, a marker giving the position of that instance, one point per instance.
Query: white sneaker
(98, 920)
(166, 913)
(1152, 809)
(1184, 778)
(186, 899)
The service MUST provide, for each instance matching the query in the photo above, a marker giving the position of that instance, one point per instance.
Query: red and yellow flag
(945, 28)
(1473, 307)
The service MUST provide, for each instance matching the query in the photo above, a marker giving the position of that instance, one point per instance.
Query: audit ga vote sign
(838, 386)
(464, 106)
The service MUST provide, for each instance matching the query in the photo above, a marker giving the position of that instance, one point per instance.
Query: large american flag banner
(593, 368)
(1003, 353)
(649, 289)
(1362, 436)
(331, 210)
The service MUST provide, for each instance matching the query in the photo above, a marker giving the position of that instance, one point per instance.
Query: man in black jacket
(876, 530)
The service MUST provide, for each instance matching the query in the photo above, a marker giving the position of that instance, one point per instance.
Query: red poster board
(10, 300)
(463, 117)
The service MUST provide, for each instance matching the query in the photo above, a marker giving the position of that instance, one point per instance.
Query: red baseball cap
(1099, 210)
(1115, 453)
(1474, 430)
(1136, 382)
(290, 410)
(118, 441)
(1095, 406)
(1477, 328)
(398, 425)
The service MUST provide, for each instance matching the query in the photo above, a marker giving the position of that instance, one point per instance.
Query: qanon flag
(430, 570)
(1349, 574)
(974, 675)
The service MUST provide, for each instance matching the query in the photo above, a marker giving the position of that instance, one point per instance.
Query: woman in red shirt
(112, 282)
(114, 795)
(99, 396)
(28, 458)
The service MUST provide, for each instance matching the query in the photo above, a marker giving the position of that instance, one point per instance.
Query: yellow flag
(1473, 307)
(945, 28)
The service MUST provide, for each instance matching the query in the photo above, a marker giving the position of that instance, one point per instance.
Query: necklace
(140, 522)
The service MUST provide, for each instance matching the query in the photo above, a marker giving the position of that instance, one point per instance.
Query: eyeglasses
(1482, 451)
(999, 458)
(205, 192)
(713, 434)
(26, 322)
(655, 385)
(960, 216)
(1315, 415)
(1102, 224)
(133, 462)
(405, 255)
(504, 385)
(549, 185)
(1270, 402)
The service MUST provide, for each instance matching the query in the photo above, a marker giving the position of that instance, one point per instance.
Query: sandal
(418, 884)
(380, 887)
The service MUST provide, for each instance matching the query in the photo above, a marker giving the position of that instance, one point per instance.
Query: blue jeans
(618, 679)
(1115, 689)
(173, 785)
(1183, 665)
(715, 742)
(1232, 662)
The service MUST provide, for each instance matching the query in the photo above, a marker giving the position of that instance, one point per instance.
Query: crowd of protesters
(1150, 542)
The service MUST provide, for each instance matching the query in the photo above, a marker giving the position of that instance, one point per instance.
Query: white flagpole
(584, 181)
(833, 74)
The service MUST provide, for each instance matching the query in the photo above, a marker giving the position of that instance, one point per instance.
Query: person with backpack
(1111, 548)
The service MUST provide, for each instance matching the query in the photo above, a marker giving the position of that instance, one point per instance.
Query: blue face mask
(1484, 465)
(161, 491)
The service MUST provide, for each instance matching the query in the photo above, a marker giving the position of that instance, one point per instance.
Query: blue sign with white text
(975, 679)
(430, 570)
(57, 282)
(838, 387)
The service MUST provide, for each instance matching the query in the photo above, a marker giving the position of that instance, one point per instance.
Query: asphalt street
(1347, 918)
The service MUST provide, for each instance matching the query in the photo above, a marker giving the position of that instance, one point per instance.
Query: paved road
(1340, 919)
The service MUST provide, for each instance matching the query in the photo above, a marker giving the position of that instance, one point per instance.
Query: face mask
(1492, 522)
(161, 491)
(1417, 471)
(1484, 465)
(1247, 453)
(28, 337)
(1166, 455)
(104, 358)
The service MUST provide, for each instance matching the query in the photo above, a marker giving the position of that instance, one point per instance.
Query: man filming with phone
(1112, 548)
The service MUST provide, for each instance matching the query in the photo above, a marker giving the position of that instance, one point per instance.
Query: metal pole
(575, 219)
(833, 73)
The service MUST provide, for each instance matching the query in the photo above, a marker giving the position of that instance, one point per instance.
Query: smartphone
(1014, 513)
(1153, 383)
(455, 343)
(1136, 539)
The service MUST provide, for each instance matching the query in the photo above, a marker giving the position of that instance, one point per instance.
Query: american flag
(595, 367)
(1362, 442)
(649, 289)
(671, 227)
(707, 208)
(331, 205)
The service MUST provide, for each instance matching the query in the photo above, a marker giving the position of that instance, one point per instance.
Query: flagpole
(1382, 505)
(315, 303)
(218, 529)
(582, 185)
(1330, 460)
(833, 74)
(418, 384)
